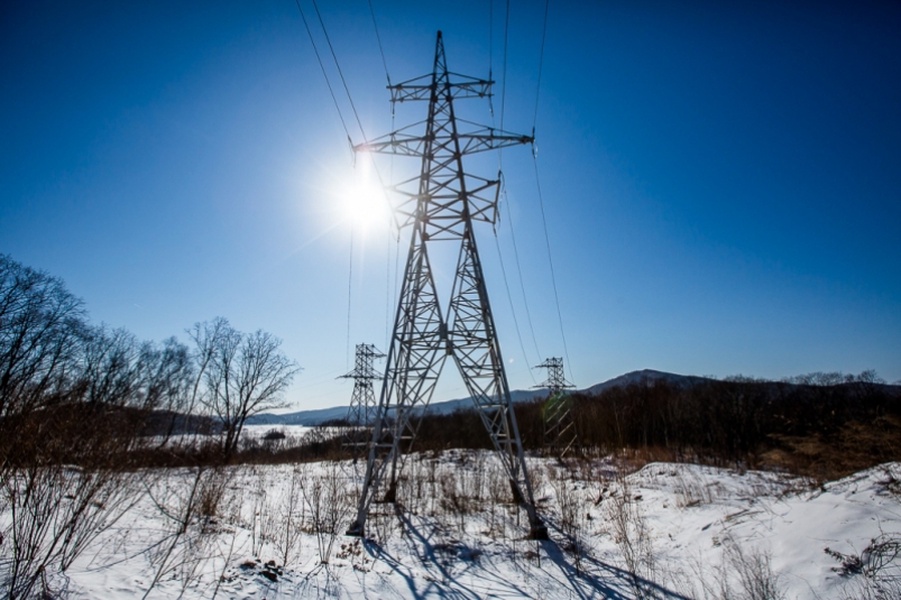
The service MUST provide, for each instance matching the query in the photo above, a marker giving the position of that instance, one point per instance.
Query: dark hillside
(819, 430)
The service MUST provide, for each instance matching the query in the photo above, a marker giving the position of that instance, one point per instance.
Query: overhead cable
(522, 286)
(547, 241)
(540, 64)
(328, 83)
(512, 308)
(350, 279)
(338, 67)
(504, 73)
(379, 39)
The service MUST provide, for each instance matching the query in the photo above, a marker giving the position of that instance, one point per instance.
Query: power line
(547, 238)
(517, 260)
(328, 83)
(491, 56)
(353, 107)
(490, 37)
(522, 347)
(522, 286)
(344, 123)
(547, 241)
(540, 64)
(504, 71)
(379, 39)
(338, 66)
(350, 278)
(391, 300)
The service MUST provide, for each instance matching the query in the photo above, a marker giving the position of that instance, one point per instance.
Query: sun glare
(364, 204)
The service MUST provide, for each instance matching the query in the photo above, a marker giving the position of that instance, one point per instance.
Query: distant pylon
(441, 208)
(559, 427)
(363, 406)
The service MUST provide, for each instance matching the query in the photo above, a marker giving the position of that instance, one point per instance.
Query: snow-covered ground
(664, 531)
(292, 435)
(257, 432)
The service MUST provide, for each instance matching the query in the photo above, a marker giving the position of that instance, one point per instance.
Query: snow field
(664, 531)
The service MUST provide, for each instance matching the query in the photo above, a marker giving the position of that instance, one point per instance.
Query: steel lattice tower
(441, 208)
(363, 406)
(559, 427)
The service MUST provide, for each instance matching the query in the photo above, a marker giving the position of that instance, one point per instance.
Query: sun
(364, 202)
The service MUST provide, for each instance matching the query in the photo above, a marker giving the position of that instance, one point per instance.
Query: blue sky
(721, 185)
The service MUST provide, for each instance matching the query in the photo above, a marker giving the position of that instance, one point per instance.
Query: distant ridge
(309, 418)
(312, 418)
(646, 377)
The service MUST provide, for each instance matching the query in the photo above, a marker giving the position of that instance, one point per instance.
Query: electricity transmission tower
(362, 410)
(559, 427)
(441, 205)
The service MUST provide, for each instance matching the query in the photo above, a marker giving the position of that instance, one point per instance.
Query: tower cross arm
(556, 381)
(396, 142)
(421, 88)
(490, 139)
(405, 144)
(552, 384)
(361, 374)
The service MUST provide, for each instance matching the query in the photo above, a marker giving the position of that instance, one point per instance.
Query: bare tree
(168, 375)
(39, 326)
(208, 337)
(245, 374)
(68, 485)
(111, 367)
(40, 330)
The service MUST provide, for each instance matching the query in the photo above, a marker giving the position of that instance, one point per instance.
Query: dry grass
(854, 447)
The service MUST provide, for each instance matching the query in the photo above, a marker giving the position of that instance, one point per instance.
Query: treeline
(72, 392)
(81, 394)
(819, 424)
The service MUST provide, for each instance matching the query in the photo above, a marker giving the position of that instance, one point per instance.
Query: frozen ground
(292, 435)
(665, 531)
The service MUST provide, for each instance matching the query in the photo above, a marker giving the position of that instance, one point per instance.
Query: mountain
(646, 377)
(449, 406)
(309, 418)
(312, 418)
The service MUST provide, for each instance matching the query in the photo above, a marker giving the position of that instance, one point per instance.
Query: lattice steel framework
(440, 205)
(559, 427)
(363, 406)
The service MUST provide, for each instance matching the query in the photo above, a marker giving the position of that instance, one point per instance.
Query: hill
(311, 418)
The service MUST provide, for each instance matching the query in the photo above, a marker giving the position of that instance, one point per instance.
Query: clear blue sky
(721, 181)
